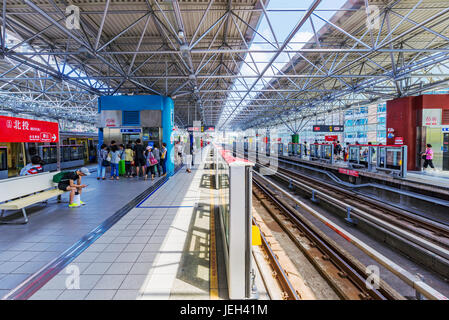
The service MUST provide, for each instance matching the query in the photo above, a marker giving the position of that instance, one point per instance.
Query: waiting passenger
(164, 158)
(337, 150)
(150, 163)
(115, 159)
(129, 156)
(102, 162)
(34, 167)
(139, 157)
(346, 152)
(67, 183)
(157, 155)
(427, 156)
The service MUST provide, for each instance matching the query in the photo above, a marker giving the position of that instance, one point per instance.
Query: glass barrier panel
(353, 154)
(65, 153)
(364, 154)
(3, 160)
(394, 158)
(327, 152)
(382, 157)
(223, 190)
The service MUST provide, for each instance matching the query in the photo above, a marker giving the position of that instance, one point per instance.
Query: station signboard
(431, 117)
(27, 130)
(131, 131)
(348, 172)
(398, 140)
(327, 128)
(330, 138)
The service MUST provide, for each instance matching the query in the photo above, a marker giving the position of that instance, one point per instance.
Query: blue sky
(282, 23)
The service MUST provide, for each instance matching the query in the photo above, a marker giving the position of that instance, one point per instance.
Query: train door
(16, 158)
(83, 142)
(446, 151)
(92, 150)
(3, 162)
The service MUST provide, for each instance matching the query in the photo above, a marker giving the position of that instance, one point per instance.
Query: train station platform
(159, 249)
(429, 181)
(54, 227)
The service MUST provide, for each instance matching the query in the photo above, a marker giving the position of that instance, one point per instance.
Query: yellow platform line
(213, 278)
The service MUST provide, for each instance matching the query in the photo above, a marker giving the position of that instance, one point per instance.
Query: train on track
(77, 149)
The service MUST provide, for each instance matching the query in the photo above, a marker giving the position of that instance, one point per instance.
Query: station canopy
(230, 63)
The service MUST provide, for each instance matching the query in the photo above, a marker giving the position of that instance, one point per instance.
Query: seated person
(67, 184)
(34, 167)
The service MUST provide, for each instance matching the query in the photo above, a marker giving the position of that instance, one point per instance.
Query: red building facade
(409, 117)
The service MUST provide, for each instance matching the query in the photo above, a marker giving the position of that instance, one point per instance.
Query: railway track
(430, 237)
(344, 274)
(431, 230)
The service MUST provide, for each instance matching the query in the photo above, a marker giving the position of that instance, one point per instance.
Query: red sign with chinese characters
(330, 138)
(27, 130)
(349, 172)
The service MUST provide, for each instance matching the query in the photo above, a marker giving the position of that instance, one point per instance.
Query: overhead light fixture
(184, 48)
(181, 34)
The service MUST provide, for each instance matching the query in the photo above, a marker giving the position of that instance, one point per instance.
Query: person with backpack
(150, 162)
(66, 182)
(114, 154)
(338, 150)
(157, 155)
(102, 162)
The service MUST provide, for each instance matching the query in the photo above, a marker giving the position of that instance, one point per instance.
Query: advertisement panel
(26, 130)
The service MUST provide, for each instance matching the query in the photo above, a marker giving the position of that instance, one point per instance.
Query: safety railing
(385, 158)
(297, 150)
(322, 152)
(233, 180)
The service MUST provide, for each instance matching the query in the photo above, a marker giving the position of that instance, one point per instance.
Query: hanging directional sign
(201, 129)
(27, 130)
(326, 128)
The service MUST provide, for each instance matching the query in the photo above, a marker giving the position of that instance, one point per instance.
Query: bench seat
(30, 200)
(20, 192)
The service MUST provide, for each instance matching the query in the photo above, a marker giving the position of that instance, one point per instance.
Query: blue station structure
(147, 117)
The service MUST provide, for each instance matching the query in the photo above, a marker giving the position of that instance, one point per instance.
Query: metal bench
(21, 192)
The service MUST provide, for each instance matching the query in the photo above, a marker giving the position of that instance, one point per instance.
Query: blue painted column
(168, 119)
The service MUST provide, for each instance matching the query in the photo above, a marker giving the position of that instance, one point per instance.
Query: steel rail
(419, 240)
(390, 265)
(281, 276)
(430, 225)
(340, 264)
